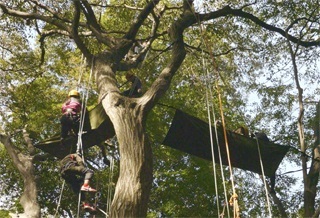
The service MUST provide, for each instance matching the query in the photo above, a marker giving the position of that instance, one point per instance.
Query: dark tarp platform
(192, 135)
(97, 128)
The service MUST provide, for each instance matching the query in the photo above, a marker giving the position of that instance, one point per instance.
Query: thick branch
(75, 34)
(25, 15)
(12, 150)
(161, 84)
(135, 61)
(91, 18)
(238, 12)
(140, 19)
(128, 40)
(227, 10)
(93, 24)
(28, 141)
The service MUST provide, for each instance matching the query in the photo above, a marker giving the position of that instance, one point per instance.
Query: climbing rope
(205, 41)
(234, 198)
(84, 101)
(211, 140)
(236, 208)
(235, 204)
(219, 153)
(209, 111)
(60, 197)
(83, 114)
(264, 178)
(110, 185)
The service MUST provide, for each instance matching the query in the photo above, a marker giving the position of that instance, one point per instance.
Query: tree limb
(227, 10)
(12, 150)
(27, 139)
(75, 35)
(134, 62)
(256, 20)
(25, 15)
(89, 14)
(140, 19)
(161, 84)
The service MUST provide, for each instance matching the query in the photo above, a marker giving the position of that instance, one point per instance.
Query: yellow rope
(204, 39)
(221, 113)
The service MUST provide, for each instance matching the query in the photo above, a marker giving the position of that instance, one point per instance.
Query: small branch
(37, 3)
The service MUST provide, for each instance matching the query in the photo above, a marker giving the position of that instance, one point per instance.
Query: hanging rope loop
(234, 203)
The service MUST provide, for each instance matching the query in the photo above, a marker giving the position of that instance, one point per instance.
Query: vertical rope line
(219, 152)
(60, 197)
(109, 193)
(222, 115)
(79, 202)
(80, 132)
(216, 134)
(264, 178)
(220, 102)
(83, 114)
(222, 174)
(211, 141)
(81, 70)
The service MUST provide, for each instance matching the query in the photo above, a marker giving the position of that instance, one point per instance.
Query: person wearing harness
(70, 115)
(136, 86)
(74, 172)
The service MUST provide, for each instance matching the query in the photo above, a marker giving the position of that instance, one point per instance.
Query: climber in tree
(78, 176)
(71, 109)
(136, 86)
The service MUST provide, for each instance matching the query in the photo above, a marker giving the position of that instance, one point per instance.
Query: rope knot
(233, 198)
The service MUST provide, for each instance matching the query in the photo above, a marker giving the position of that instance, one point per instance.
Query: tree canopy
(254, 64)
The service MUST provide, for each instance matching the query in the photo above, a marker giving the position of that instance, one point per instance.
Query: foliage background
(255, 79)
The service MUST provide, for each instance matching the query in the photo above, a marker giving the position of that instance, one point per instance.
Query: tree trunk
(24, 164)
(279, 204)
(135, 178)
(310, 186)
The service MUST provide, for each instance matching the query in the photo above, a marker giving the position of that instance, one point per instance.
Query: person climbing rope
(136, 86)
(70, 118)
(74, 172)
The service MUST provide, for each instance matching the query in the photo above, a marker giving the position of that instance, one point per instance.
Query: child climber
(71, 110)
(78, 176)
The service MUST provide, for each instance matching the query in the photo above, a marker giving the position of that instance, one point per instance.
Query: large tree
(155, 26)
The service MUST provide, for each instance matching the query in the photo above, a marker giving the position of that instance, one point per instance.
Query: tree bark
(24, 165)
(135, 177)
(310, 191)
(313, 175)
